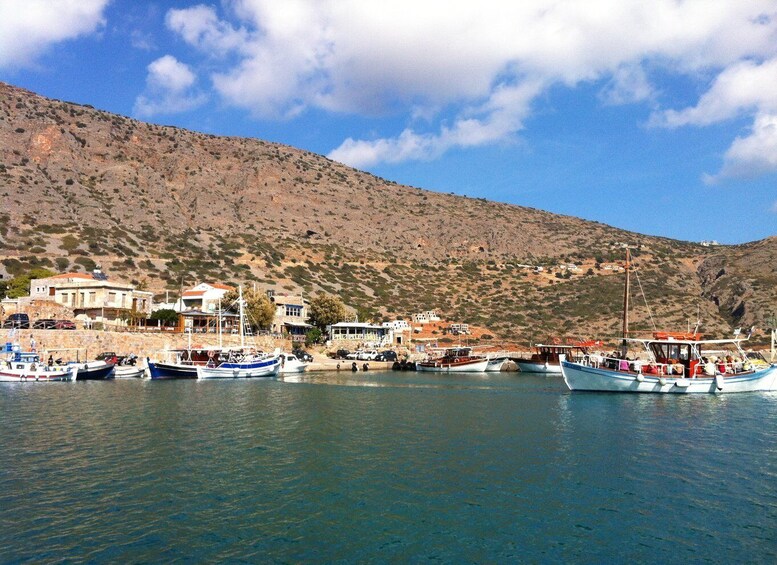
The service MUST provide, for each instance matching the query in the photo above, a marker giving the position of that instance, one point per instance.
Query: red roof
(73, 276)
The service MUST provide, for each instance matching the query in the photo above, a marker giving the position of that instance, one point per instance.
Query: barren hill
(158, 204)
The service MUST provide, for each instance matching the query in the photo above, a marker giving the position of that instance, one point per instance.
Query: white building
(364, 333)
(426, 317)
(204, 297)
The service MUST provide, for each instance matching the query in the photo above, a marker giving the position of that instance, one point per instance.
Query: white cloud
(753, 155)
(168, 89)
(200, 26)
(30, 27)
(744, 87)
(476, 61)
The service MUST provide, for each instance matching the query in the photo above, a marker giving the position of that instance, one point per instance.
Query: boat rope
(639, 282)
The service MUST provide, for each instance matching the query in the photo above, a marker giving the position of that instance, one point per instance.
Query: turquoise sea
(383, 467)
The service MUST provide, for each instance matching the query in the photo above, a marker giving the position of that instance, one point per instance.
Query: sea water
(383, 467)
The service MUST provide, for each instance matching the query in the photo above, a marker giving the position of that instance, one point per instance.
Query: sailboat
(218, 362)
(242, 364)
(670, 362)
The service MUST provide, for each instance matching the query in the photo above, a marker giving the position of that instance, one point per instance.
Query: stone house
(92, 296)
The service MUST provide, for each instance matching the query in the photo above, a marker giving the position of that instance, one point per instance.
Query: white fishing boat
(129, 372)
(672, 364)
(495, 363)
(675, 363)
(290, 363)
(454, 360)
(23, 367)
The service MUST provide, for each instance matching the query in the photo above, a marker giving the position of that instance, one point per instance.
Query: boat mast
(626, 298)
(242, 319)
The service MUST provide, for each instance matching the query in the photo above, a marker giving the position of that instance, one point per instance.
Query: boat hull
(537, 367)
(94, 371)
(495, 365)
(580, 377)
(129, 372)
(250, 370)
(169, 371)
(291, 367)
(441, 367)
(38, 376)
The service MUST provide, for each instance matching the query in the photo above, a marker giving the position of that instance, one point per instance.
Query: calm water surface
(383, 466)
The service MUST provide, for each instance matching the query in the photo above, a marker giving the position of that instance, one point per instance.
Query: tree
(259, 311)
(326, 310)
(20, 284)
(167, 316)
(312, 336)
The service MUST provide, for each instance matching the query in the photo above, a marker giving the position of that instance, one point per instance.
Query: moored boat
(243, 367)
(455, 360)
(545, 358)
(674, 363)
(669, 364)
(290, 363)
(27, 367)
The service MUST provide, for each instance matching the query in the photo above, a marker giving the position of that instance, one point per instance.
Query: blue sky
(658, 117)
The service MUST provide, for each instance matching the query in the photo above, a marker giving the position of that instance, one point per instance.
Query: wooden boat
(21, 366)
(545, 358)
(673, 365)
(676, 363)
(455, 360)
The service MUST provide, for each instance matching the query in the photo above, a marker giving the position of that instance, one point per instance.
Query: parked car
(21, 321)
(302, 355)
(44, 324)
(368, 355)
(387, 356)
(353, 355)
(341, 354)
(65, 325)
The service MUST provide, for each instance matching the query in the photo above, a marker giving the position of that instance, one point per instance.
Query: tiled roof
(86, 276)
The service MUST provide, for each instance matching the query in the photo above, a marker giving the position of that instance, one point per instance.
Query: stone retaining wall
(146, 344)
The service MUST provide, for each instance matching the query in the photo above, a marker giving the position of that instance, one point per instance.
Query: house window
(293, 310)
(111, 297)
(92, 298)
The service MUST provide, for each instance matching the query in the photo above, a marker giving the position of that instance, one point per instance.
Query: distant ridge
(156, 204)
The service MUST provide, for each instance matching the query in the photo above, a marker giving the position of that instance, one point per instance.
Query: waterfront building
(364, 333)
(92, 296)
(291, 314)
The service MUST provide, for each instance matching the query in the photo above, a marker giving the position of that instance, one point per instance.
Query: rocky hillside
(158, 205)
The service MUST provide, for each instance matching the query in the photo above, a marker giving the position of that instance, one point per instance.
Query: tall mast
(242, 314)
(626, 297)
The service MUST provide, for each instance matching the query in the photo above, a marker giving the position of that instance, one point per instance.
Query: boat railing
(670, 369)
(636, 366)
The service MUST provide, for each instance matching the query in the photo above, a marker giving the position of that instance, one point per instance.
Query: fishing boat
(545, 357)
(23, 366)
(667, 362)
(98, 369)
(290, 363)
(495, 363)
(455, 360)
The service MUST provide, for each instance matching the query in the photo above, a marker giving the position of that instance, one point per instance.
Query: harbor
(383, 466)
